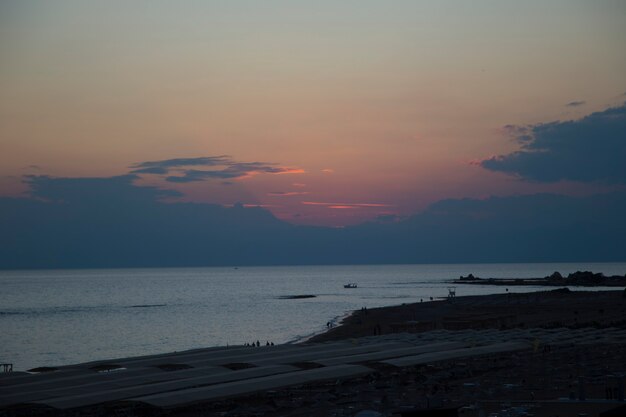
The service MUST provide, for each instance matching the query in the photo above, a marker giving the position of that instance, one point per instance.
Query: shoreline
(335, 321)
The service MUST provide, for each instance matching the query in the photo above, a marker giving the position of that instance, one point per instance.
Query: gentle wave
(146, 306)
(48, 311)
(82, 309)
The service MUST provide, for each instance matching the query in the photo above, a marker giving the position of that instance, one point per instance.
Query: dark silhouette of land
(546, 309)
(575, 279)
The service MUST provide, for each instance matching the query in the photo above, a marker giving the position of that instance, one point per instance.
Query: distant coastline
(576, 279)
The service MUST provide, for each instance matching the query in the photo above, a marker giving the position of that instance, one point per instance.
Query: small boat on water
(350, 285)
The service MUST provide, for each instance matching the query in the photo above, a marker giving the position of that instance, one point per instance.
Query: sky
(327, 113)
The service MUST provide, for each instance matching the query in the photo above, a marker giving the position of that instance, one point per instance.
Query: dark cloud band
(226, 168)
(591, 149)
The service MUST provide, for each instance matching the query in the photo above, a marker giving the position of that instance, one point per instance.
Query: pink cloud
(345, 205)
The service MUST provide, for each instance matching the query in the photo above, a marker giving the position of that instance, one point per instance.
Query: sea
(60, 317)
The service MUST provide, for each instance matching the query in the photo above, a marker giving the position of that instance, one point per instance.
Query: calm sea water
(50, 318)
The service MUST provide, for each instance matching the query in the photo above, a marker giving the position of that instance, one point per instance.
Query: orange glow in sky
(332, 113)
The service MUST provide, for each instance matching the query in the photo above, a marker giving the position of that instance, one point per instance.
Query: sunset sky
(325, 112)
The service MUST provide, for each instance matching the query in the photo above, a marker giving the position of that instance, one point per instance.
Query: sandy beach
(549, 353)
(547, 309)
